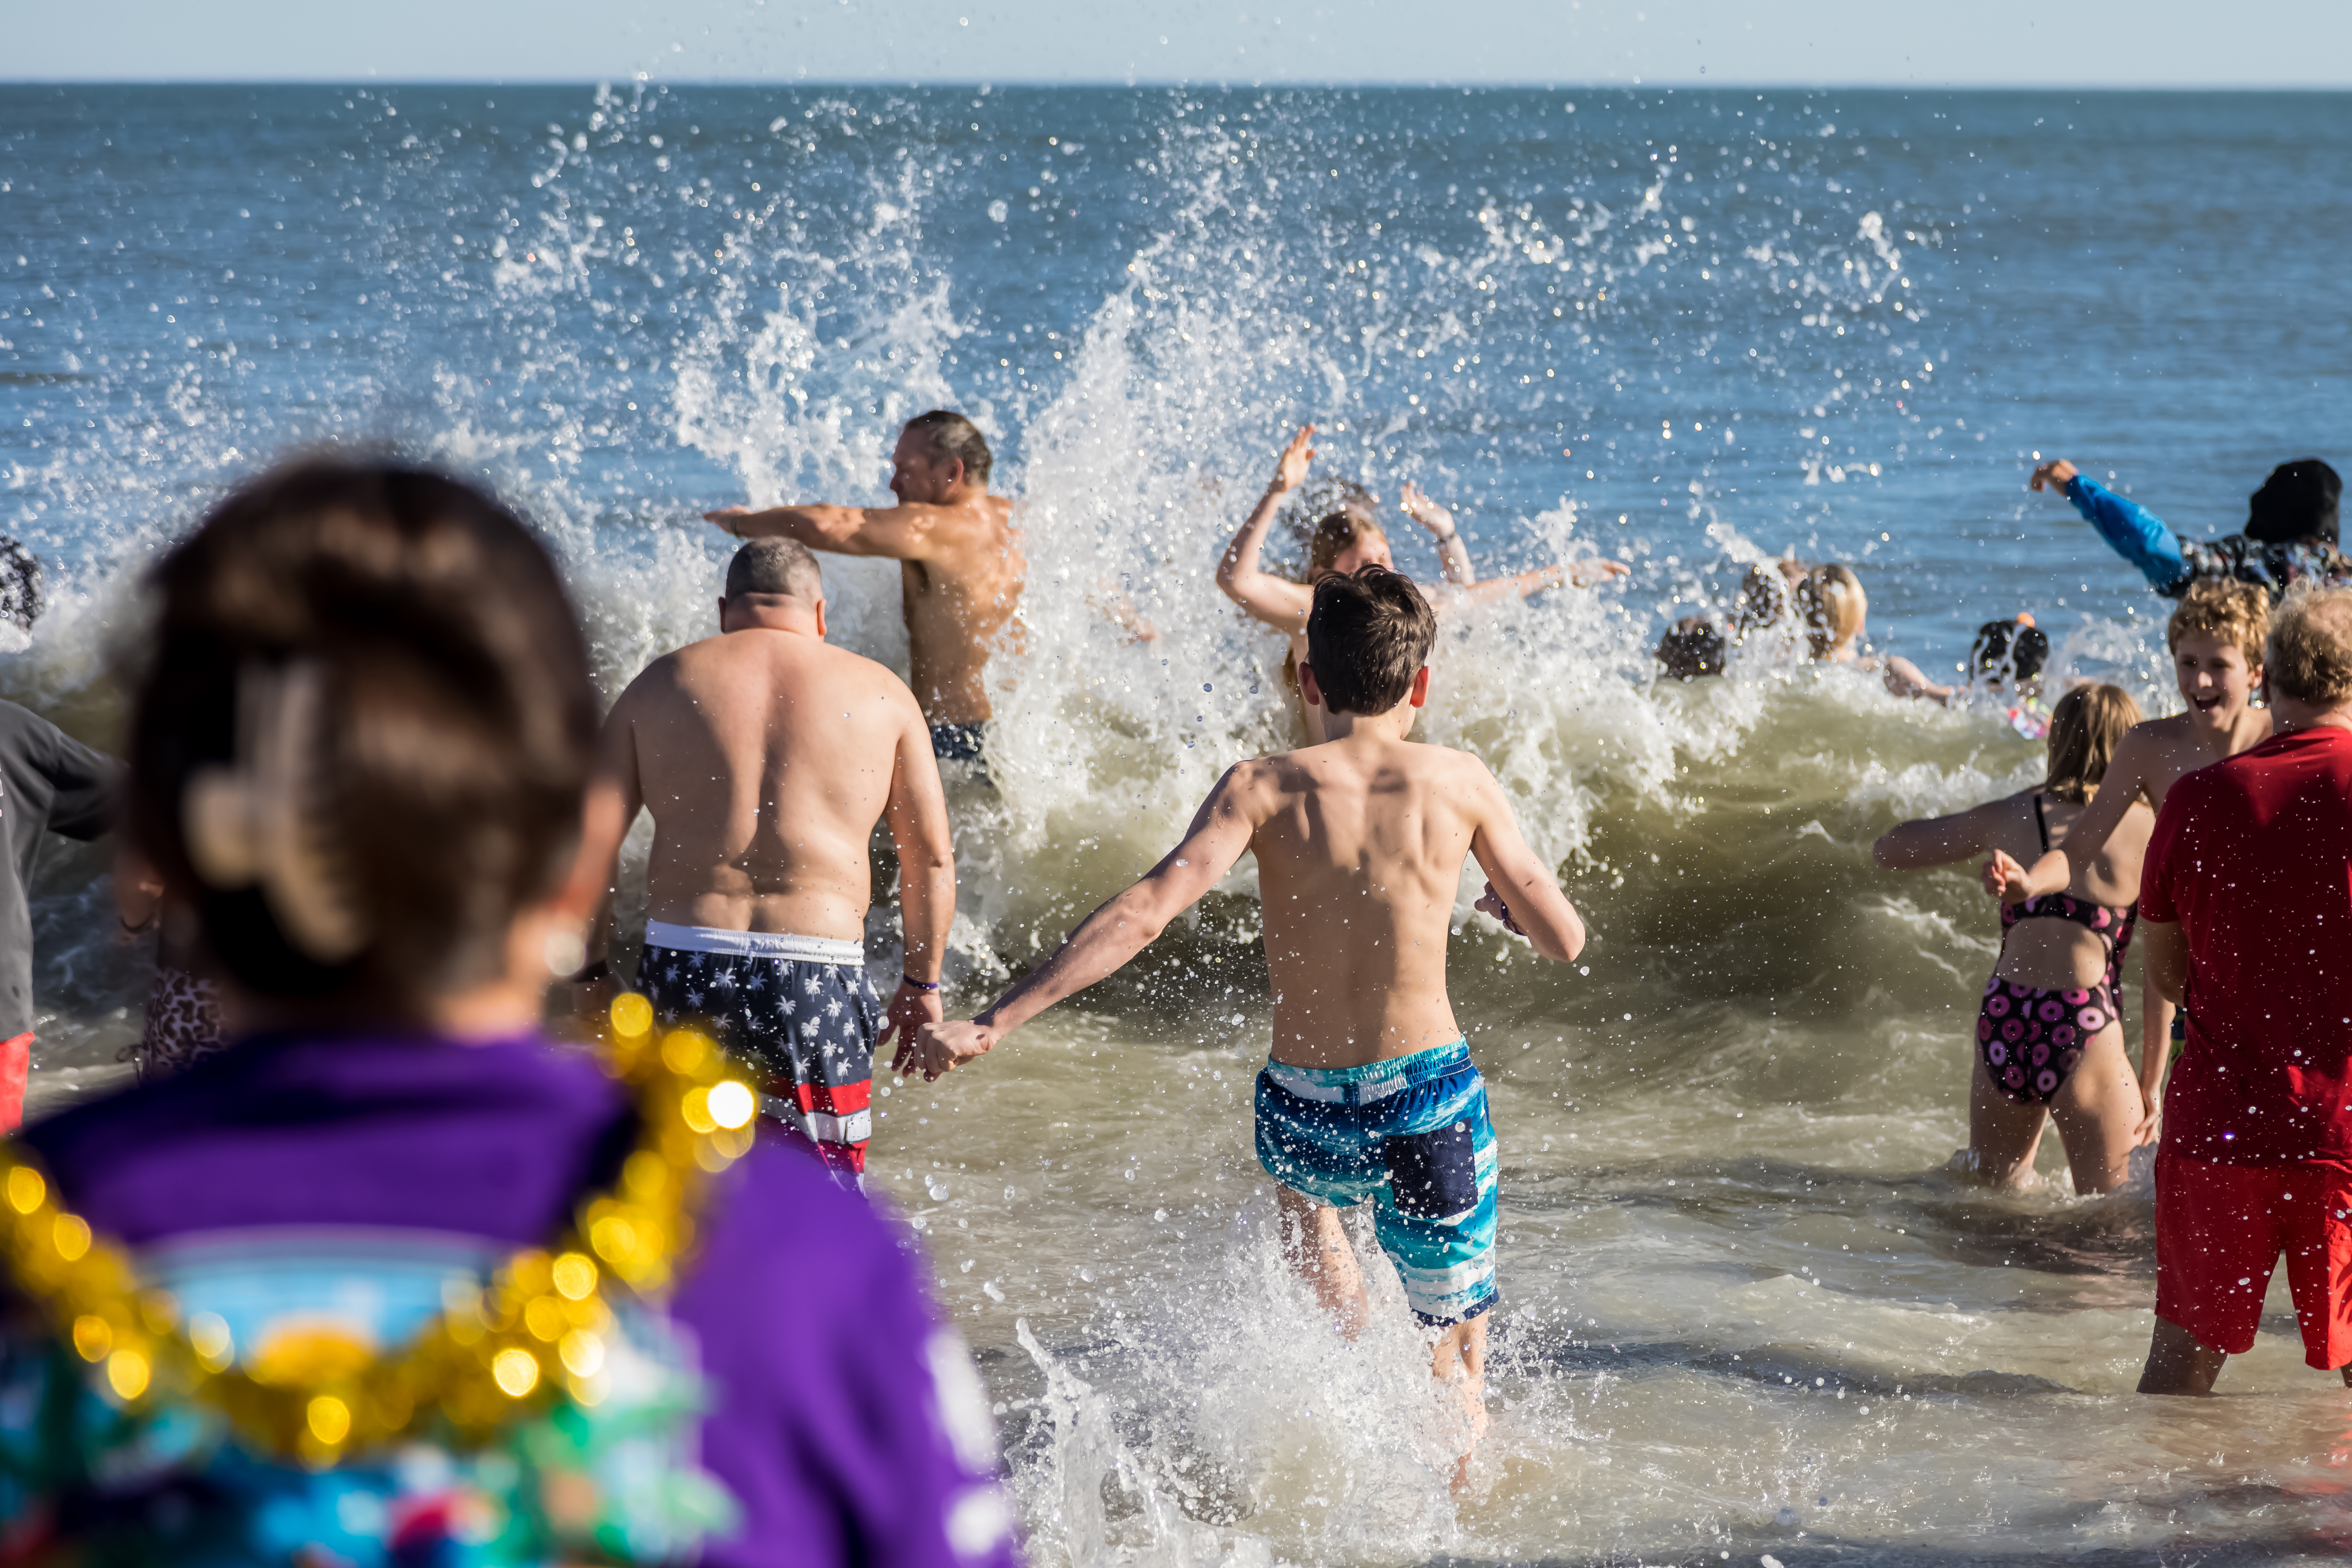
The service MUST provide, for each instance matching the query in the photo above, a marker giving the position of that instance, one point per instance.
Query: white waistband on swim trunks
(754, 944)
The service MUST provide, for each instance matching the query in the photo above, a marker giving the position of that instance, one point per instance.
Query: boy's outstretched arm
(1108, 938)
(1524, 894)
(2131, 531)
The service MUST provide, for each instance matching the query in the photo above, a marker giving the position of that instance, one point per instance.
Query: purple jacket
(846, 1421)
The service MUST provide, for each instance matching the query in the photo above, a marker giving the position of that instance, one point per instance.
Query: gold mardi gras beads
(536, 1333)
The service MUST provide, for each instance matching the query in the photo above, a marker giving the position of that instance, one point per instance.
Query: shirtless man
(766, 757)
(1369, 1093)
(961, 569)
(2216, 636)
(1347, 540)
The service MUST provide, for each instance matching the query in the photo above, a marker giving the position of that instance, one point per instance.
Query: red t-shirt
(2253, 858)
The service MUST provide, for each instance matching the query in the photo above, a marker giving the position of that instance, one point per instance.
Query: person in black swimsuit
(2049, 1038)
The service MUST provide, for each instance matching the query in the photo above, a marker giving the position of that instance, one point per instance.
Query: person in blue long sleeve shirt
(2290, 535)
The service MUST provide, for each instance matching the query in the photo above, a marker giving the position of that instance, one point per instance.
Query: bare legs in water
(2179, 1364)
(2097, 1110)
(1316, 1245)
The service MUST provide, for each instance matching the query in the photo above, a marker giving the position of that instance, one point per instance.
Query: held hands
(1431, 515)
(2004, 879)
(942, 1047)
(2150, 1113)
(1291, 470)
(2051, 475)
(911, 1009)
(1493, 904)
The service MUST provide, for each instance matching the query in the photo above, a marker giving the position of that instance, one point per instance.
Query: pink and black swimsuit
(2032, 1039)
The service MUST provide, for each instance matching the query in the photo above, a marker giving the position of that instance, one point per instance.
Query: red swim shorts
(2219, 1233)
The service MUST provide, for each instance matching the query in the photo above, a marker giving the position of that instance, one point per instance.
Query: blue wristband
(906, 979)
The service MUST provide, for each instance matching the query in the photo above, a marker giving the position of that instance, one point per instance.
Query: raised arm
(1113, 933)
(2131, 531)
(918, 815)
(898, 533)
(1521, 892)
(1940, 841)
(2005, 879)
(1279, 603)
(1453, 555)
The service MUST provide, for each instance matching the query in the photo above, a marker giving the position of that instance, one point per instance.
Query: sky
(2088, 44)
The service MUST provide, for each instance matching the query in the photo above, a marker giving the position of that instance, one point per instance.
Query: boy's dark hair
(1367, 636)
(954, 436)
(2008, 651)
(1692, 647)
(361, 741)
(2297, 502)
(784, 566)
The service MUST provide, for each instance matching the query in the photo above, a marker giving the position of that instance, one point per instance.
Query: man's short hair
(1367, 636)
(2237, 613)
(783, 566)
(2311, 647)
(954, 436)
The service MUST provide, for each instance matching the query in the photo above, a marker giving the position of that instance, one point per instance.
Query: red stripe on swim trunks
(839, 1100)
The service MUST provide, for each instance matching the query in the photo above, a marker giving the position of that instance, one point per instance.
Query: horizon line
(2101, 89)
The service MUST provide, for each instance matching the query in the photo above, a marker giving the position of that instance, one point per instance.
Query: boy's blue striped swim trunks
(1411, 1133)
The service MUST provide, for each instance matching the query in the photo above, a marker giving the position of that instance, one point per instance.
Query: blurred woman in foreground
(2049, 1038)
(392, 1279)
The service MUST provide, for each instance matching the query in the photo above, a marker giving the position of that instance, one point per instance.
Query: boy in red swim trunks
(2246, 905)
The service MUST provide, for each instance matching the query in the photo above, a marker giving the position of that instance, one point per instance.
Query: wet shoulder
(1461, 777)
(841, 671)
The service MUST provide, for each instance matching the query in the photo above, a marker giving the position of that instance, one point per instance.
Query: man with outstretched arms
(766, 757)
(1369, 1093)
(2216, 636)
(961, 569)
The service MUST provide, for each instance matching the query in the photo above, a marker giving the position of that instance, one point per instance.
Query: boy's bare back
(1360, 849)
(766, 758)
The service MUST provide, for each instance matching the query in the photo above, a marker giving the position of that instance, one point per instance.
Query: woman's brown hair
(361, 741)
(2085, 725)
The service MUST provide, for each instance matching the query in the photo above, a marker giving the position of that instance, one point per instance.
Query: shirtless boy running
(1369, 1093)
(2216, 636)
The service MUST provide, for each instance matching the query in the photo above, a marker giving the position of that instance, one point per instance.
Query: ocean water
(1746, 1311)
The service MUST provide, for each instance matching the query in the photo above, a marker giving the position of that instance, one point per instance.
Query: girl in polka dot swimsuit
(2049, 1038)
